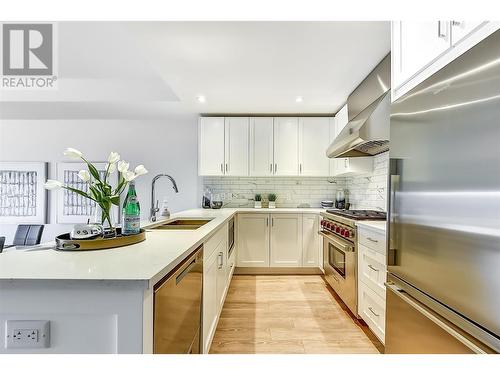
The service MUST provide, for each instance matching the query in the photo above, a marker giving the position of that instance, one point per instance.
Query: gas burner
(359, 214)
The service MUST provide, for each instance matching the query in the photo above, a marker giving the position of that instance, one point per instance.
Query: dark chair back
(28, 235)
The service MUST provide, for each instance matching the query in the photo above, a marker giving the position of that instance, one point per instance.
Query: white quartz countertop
(149, 260)
(378, 225)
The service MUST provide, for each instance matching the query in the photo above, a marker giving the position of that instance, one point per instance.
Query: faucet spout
(155, 209)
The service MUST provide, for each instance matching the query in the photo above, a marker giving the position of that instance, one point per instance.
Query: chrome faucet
(154, 209)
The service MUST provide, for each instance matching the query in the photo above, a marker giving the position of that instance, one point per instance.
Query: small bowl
(216, 205)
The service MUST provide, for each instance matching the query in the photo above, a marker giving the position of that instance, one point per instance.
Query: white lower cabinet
(253, 240)
(216, 279)
(371, 308)
(372, 274)
(311, 241)
(286, 240)
(210, 305)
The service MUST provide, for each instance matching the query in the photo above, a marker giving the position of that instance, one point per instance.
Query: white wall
(164, 146)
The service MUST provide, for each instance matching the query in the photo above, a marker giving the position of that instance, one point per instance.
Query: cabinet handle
(373, 268)
(300, 168)
(345, 163)
(222, 167)
(272, 222)
(441, 33)
(371, 239)
(275, 167)
(227, 167)
(221, 259)
(271, 168)
(373, 312)
(267, 222)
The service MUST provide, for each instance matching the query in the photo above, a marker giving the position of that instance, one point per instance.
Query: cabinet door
(286, 240)
(338, 166)
(211, 146)
(236, 146)
(261, 146)
(314, 139)
(461, 29)
(310, 240)
(210, 306)
(286, 146)
(253, 240)
(419, 43)
(221, 274)
(371, 307)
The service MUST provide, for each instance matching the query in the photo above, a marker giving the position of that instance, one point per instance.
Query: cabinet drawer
(213, 242)
(372, 239)
(372, 269)
(372, 310)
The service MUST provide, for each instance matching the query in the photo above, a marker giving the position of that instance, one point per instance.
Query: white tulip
(113, 157)
(84, 175)
(111, 168)
(129, 176)
(140, 170)
(73, 153)
(53, 185)
(123, 166)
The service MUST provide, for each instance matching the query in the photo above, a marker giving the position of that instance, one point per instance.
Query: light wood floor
(288, 314)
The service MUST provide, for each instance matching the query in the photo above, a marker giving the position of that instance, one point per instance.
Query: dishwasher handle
(185, 271)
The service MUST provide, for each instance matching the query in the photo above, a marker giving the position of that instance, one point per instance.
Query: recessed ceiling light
(299, 99)
(201, 98)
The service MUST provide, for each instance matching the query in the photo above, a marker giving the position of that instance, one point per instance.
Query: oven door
(339, 263)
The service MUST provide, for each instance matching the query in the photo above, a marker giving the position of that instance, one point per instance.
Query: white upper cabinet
(314, 139)
(211, 146)
(286, 146)
(420, 49)
(261, 146)
(286, 240)
(236, 146)
(420, 44)
(354, 166)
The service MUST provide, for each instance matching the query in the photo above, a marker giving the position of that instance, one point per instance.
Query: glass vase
(106, 219)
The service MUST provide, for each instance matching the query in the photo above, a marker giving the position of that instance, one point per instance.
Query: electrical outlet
(27, 334)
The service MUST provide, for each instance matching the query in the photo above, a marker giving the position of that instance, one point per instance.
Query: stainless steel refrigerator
(443, 289)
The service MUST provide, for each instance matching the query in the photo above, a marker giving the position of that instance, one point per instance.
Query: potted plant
(99, 189)
(272, 200)
(258, 201)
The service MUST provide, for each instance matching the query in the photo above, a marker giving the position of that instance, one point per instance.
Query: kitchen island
(102, 301)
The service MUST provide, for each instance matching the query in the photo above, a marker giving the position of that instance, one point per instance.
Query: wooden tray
(64, 242)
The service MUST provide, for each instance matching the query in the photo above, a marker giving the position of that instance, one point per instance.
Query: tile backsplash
(366, 191)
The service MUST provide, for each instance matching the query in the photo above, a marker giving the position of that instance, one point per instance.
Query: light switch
(27, 334)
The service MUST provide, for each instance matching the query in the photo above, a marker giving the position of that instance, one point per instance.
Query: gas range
(343, 222)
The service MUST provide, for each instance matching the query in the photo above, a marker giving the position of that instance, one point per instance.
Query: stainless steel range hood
(367, 132)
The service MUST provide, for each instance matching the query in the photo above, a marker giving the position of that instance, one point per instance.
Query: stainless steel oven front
(339, 263)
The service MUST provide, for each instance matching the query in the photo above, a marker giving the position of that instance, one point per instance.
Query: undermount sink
(183, 224)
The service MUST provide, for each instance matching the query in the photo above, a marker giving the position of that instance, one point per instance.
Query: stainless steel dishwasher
(177, 308)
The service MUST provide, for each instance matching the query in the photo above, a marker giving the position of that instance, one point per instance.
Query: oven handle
(342, 245)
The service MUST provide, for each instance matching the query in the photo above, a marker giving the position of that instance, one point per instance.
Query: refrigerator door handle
(393, 186)
(422, 309)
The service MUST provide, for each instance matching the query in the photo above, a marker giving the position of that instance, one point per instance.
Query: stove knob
(342, 232)
(322, 223)
(337, 229)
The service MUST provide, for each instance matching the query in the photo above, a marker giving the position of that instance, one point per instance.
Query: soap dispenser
(164, 212)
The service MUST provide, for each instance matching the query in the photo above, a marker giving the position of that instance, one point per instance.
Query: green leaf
(115, 199)
(82, 193)
(94, 172)
(95, 192)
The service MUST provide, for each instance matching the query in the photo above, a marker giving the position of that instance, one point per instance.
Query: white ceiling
(241, 67)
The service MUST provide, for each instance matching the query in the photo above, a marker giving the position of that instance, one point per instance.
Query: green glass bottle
(131, 213)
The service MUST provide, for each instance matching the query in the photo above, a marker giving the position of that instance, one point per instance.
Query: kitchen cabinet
(286, 146)
(236, 133)
(211, 146)
(420, 49)
(210, 305)
(372, 275)
(261, 146)
(311, 241)
(253, 240)
(314, 139)
(286, 240)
